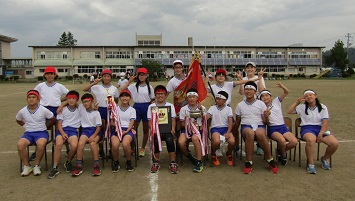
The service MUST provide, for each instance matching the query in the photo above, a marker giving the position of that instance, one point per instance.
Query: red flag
(193, 80)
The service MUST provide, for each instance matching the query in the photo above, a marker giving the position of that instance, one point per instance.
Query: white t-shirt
(34, 121)
(313, 117)
(101, 93)
(227, 87)
(173, 84)
(122, 82)
(185, 112)
(69, 117)
(251, 114)
(92, 78)
(257, 84)
(149, 113)
(276, 117)
(142, 95)
(126, 115)
(50, 95)
(220, 116)
(89, 119)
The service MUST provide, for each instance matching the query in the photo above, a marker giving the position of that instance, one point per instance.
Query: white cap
(178, 61)
(250, 63)
(122, 74)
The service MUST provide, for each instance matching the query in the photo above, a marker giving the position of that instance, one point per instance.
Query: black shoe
(102, 154)
(281, 159)
(192, 159)
(116, 166)
(32, 157)
(129, 166)
(68, 166)
(53, 173)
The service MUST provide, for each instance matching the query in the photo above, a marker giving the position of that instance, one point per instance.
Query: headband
(309, 91)
(249, 87)
(191, 93)
(72, 96)
(88, 98)
(160, 91)
(264, 92)
(221, 96)
(33, 93)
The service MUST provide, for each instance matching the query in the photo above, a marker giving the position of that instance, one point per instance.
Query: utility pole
(348, 44)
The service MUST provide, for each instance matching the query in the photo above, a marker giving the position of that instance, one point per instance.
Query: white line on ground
(153, 181)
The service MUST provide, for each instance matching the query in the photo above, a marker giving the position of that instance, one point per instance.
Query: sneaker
(247, 168)
(155, 168)
(97, 170)
(32, 157)
(26, 170)
(68, 166)
(229, 160)
(311, 169)
(129, 166)
(173, 168)
(219, 153)
(273, 167)
(259, 151)
(102, 154)
(325, 164)
(215, 160)
(77, 171)
(241, 152)
(54, 172)
(192, 159)
(280, 158)
(116, 166)
(198, 167)
(37, 170)
(141, 152)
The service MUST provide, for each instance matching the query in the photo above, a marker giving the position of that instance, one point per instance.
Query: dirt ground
(214, 183)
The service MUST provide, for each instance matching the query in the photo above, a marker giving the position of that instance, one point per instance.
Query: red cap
(50, 69)
(219, 71)
(106, 71)
(142, 70)
(125, 91)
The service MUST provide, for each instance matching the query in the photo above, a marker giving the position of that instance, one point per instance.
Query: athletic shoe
(32, 157)
(54, 172)
(259, 151)
(102, 154)
(129, 166)
(325, 164)
(141, 152)
(219, 153)
(229, 160)
(97, 170)
(198, 167)
(37, 170)
(173, 168)
(68, 166)
(273, 167)
(155, 167)
(77, 171)
(247, 168)
(280, 158)
(215, 160)
(26, 170)
(116, 166)
(241, 152)
(311, 169)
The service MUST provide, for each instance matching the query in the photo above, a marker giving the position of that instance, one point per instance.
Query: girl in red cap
(143, 95)
(102, 91)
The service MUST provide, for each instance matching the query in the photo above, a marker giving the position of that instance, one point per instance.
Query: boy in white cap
(174, 82)
(122, 81)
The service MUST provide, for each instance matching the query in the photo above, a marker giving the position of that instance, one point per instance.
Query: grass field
(214, 183)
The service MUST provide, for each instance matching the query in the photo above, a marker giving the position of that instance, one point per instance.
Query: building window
(60, 70)
(41, 70)
(29, 72)
(43, 55)
(97, 55)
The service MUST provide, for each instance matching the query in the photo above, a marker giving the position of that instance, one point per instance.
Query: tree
(154, 67)
(338, 56)
(67, 39)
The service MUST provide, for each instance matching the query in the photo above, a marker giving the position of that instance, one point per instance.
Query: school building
(284, 60)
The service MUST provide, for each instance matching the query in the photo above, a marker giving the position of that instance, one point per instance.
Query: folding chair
(298, 136)
(50, 139)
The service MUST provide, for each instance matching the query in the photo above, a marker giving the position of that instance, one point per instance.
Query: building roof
(7, 39)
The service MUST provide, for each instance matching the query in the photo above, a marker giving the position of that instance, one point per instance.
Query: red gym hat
(50, 69)
(106, 71)
(125, 91)
(142, 70)
(221, 71)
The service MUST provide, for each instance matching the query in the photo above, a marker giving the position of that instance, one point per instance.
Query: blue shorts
(184, 131)
(103, 112)
(35, 135)
(141, 111)
(314, 129)
(71, 131)
(244, 126)
(52, 109)
(130, 133)
(89, 131)
(279, 128)
(220, 130)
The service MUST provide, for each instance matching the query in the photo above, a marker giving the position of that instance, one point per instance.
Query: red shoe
(77, 171)
(155, 168)
(247, 168)
(97, 170)
(215, 160)
(273, 167)
(229, 160)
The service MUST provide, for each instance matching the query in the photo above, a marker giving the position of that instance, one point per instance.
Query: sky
(209, 22)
